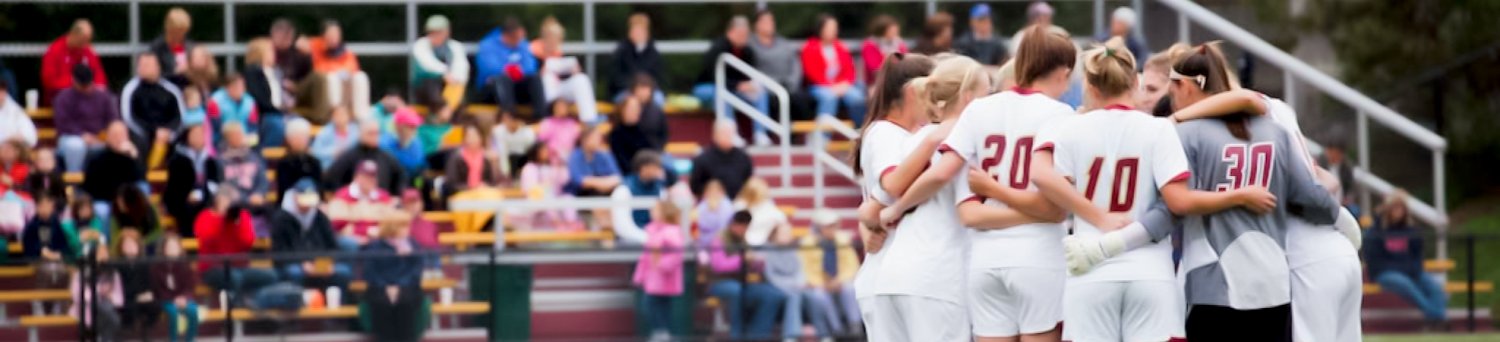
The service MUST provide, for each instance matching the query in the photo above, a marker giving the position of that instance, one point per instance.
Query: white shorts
(1326, 299)
(1005, 302)
(1142, 310)
(904, 318)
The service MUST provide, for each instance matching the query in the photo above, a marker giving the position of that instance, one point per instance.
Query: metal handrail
(723, 95)
(1435, 214)
(821, 157)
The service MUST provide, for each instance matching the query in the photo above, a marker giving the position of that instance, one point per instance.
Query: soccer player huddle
(1010, 216)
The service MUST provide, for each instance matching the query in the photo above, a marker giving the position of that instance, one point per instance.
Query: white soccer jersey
(882, 147)
(996, 134)
(927, 253)
(1306, 243)
(1119, 158)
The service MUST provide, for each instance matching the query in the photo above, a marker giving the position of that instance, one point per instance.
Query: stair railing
(782, 128)
(822, 159)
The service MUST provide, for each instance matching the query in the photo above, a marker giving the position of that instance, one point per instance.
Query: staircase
(842, 195)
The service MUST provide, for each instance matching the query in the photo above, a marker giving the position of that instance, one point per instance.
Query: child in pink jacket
(659, 272)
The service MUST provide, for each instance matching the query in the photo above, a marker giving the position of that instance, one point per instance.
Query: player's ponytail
(1041, 51)
(951, 79)
(887, 91)
(1110, 69)
(1205, 67)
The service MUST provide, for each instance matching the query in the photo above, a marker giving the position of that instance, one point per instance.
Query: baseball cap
(979, 11)
(407, 117)
(436, 23)
(368, 167)
(306, 193)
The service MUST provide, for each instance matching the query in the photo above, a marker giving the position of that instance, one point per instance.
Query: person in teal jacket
(232, 104)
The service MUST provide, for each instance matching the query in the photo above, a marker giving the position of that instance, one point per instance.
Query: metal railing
(723, 95)
(822, 159)
(1436, 213)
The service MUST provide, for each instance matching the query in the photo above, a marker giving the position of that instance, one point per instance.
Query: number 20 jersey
(996, 134)
(1119, 158)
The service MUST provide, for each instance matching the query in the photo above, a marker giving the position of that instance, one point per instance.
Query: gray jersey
(1234, 257)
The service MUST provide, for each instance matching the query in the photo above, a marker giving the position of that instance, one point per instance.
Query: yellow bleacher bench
(157, 176)
(73, 177)
(485, 238)
(46, 133)
(40, 113)
(1450, 287)
(683, 149)
(809, 126)
(15, 296)
(17, 271)
(788, 210)
(273, 153)
(1438, 265)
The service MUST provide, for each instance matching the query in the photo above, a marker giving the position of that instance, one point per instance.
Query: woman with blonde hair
(755, 197)
(394, 275)
(172, 47)
(263, 83)
(923, 270)
(562, 76)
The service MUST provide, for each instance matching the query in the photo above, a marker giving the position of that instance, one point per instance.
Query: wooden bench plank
(17, 271)
(15, 296)
(485, 238)
(47, 321)
(683, 149)
(41, 113)
(1450, 287)
(273, 153)
(809, 126)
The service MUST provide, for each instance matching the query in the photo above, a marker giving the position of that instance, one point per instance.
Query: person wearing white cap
(1122, 24)
(440, 68)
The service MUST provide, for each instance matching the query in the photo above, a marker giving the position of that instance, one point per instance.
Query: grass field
(1433, 338)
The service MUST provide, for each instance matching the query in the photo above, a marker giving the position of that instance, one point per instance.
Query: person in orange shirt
(332, 61)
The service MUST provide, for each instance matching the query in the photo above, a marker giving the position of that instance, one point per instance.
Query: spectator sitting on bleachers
(172, 48)
(346, 85)
(727, 261)
(636, 55)
(384, 112)
(132, 210)
(723, 162)
(1038, 14)
(232, 104)
(440, 68)
(1121, 24)
(48, 244)
(776, 56)
(544, 178)
(830, 72)
(981, 43)
(563, 77)
(106, 286)
(390, 175)
(263, 83)
(196, 114)
(225, 229)
(560, 131)
(202, 74)
(1393, 257)
(113, 168)
(641, 125)
(471, 166)
(714, 212)
(756, 198)
(45, 177)
(507, 71)
(334, 139)
(152, 108)
(193, 176)
(404, 145)
(884, 40)
(64, 55)
(140, 311)
(514, 139)
(937, 35)
(297, 164)
(784, 271)
(15, 166)
(357, 208)
(659, 270)
(300, 227)
(829, 259)
(423, 231)
(735, 41)
(648, 178)
(394, 296)
(592, 168)
(14, 123)
(80, 115)
(244, 170)
(172, 284)
(81, 220)
(294, 66)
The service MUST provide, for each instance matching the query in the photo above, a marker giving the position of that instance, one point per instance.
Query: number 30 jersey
(996, 134)
(1119, 158)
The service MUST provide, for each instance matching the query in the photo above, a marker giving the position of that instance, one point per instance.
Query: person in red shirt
(830, 72)
(225, 230)
(14, 167)
(74, 48)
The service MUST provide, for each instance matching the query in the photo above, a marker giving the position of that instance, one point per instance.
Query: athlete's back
(1119, 158)
(1235, 258)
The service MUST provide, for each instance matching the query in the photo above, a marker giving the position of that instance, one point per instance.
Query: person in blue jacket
(507, 71)
(404, 145)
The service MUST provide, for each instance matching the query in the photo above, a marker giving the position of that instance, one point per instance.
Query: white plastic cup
(445, 296)
(308, 296)
(223, 299)
(333, 296)
(31, 99)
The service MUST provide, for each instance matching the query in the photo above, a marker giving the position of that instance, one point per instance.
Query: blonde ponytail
(1110, 68)
(950, 80)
